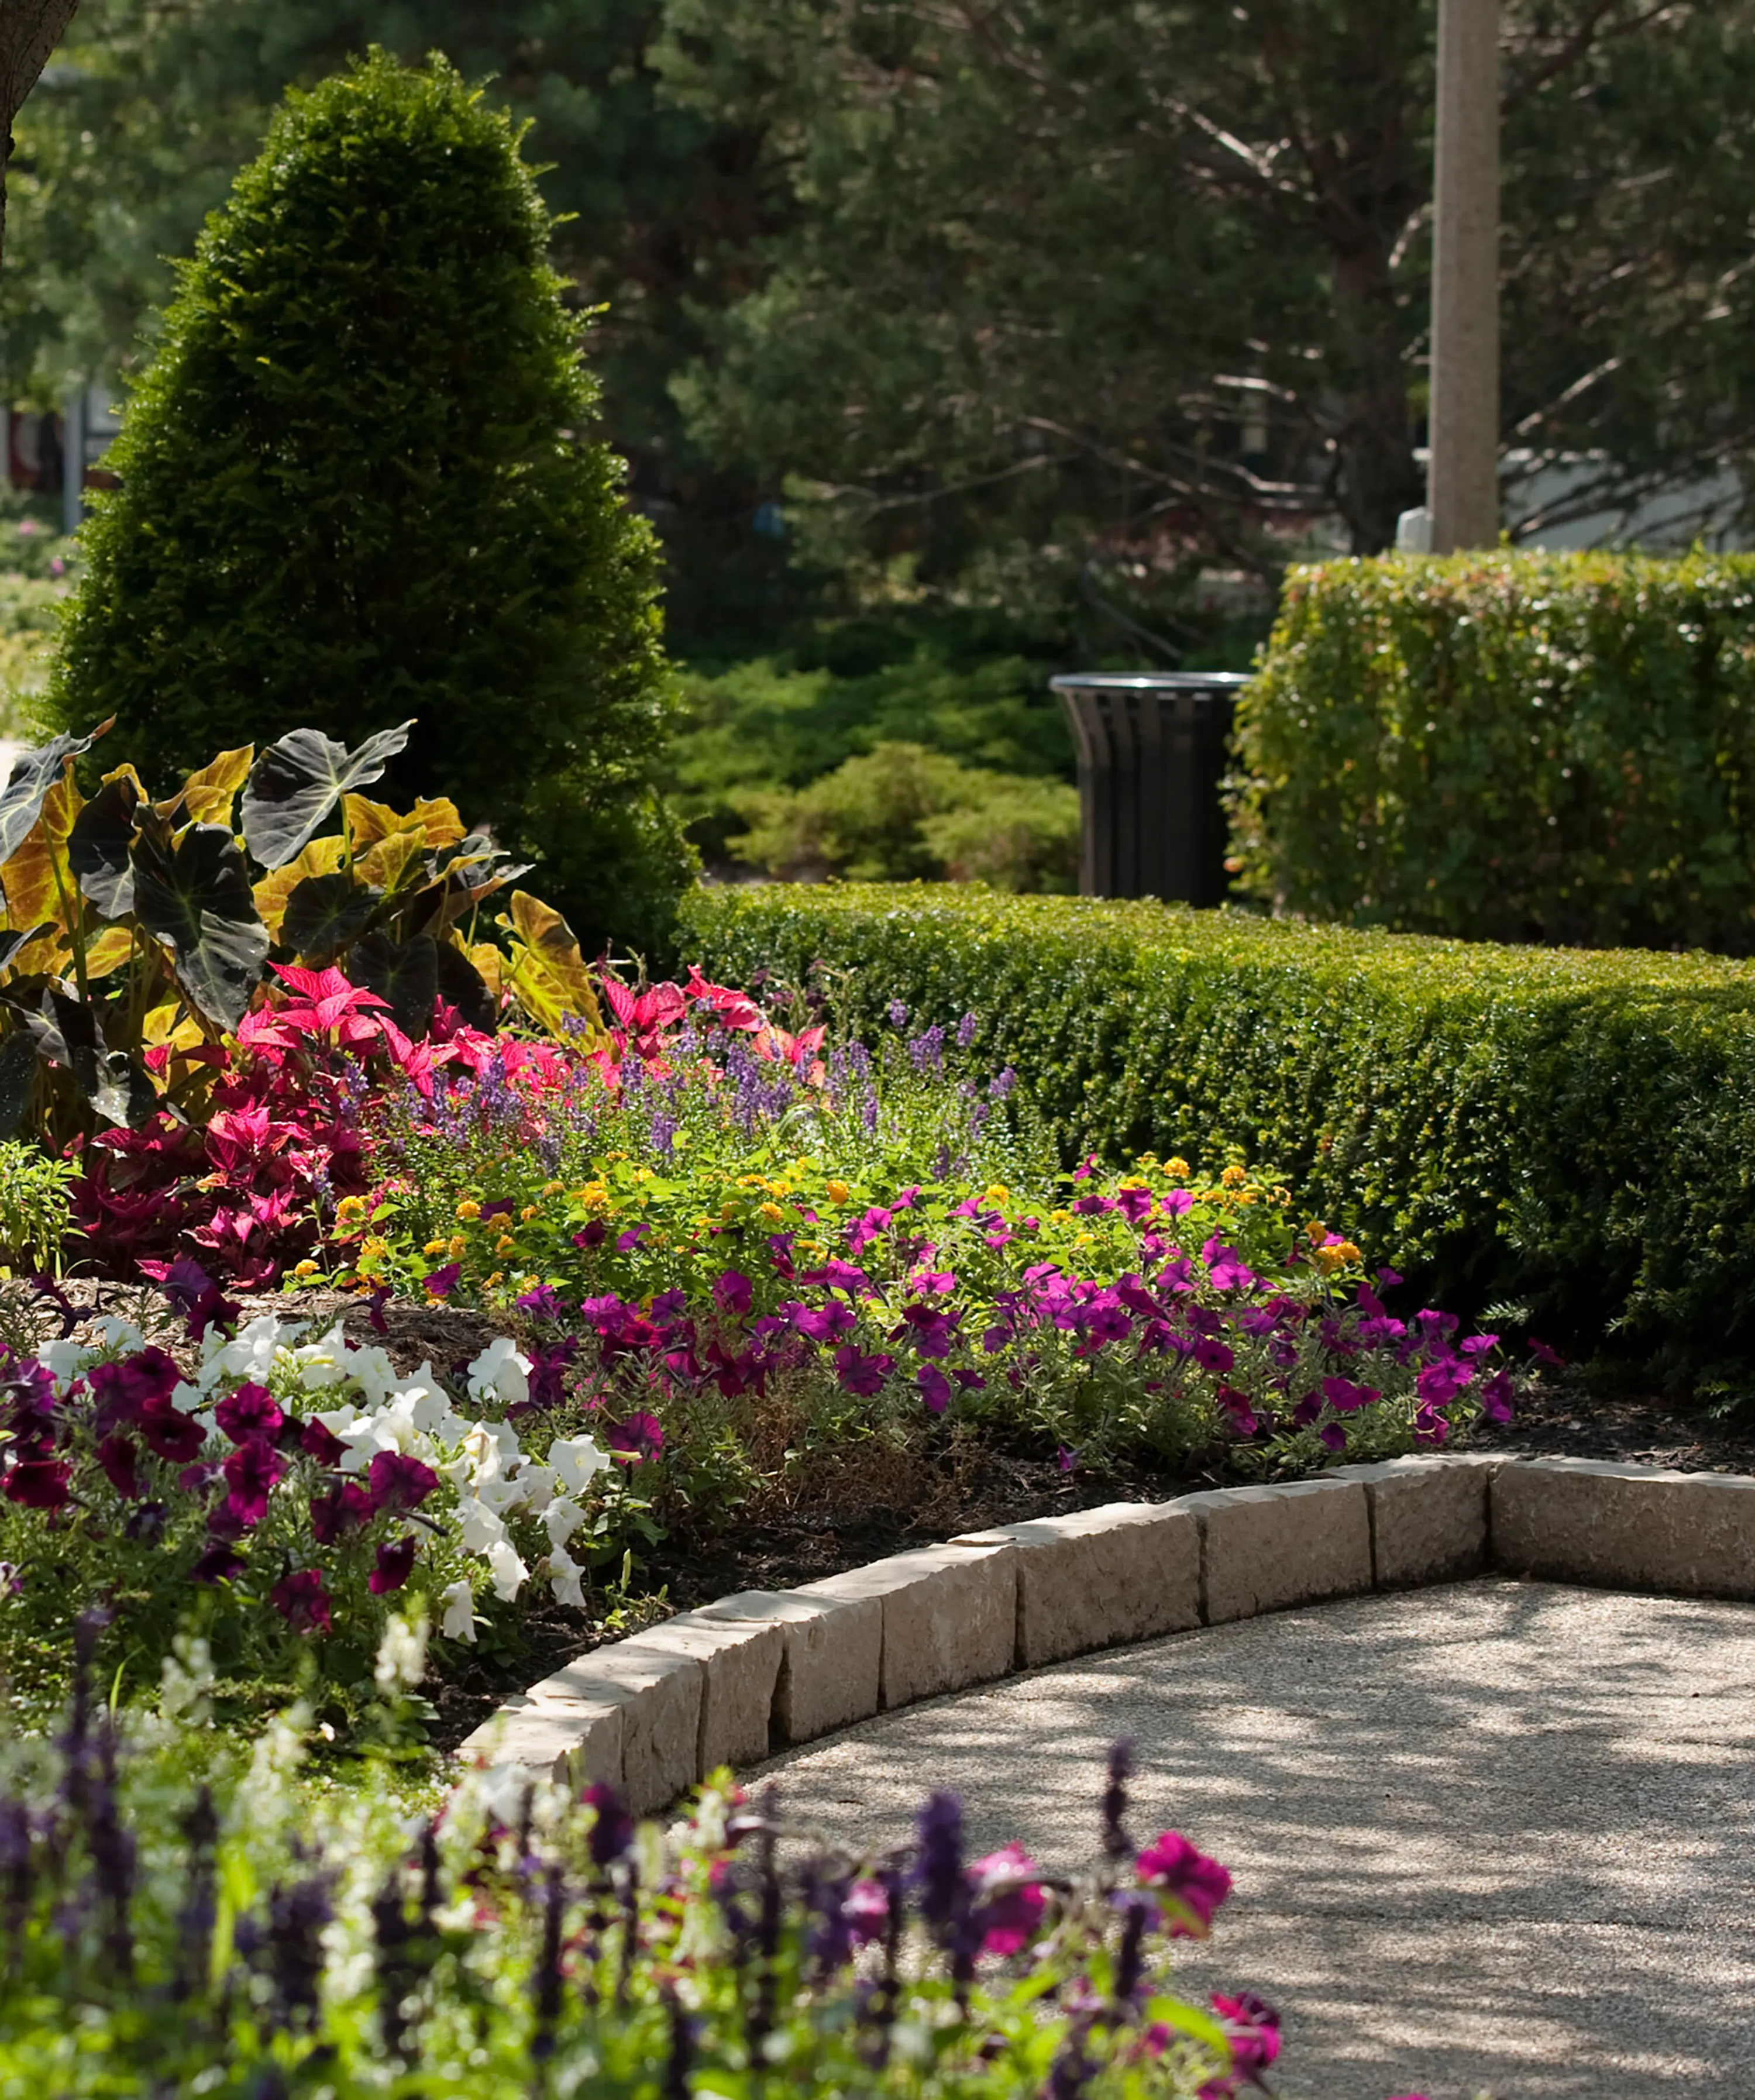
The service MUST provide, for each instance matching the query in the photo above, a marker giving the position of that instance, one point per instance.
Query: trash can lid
(1151, 681)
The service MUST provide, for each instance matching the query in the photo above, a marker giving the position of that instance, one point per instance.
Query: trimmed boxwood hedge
(1572, 1130)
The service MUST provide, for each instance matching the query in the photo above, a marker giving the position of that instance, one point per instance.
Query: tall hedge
(1572, 1130)
(1556, 748)
(359, 483)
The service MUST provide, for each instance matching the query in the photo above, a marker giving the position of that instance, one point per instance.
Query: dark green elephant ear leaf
(296, 784)
(323, 915)
(462, 985)
(33, 774)
(193, 893)
(64, 1031)
(18, 1071)
(405, 973)
(99, 845)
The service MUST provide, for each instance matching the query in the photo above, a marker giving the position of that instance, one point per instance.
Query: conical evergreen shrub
(357, 484)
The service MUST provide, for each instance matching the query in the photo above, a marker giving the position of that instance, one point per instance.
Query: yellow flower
(505, 1244)
(997, 1196)
(469, 1208)
(1233, 1177)
(1315, 1232)
(839, 1191)
(456, 1246)
(772, 1211)
(349, 1212)
(305, 1268)
(437, 1246)
(727, 1212)
(494, 1281)
(552, 1188)
(373, 1248)
(644, 1174)
(1177, 1169)
(528, 1282)
(529, 1211)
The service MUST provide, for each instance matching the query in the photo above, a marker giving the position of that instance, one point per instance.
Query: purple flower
(169, 1434)
(938, 1860)
(1497, 1395)
(865, 1912)
(935, 1389)
(1346, 1398)
(731, 1292)
(118, 1455)
(898, 1014)
(1191, 1885)
(300, 1600)
(926, 1051)
(321, 1444)
(441, 1282)
(966, 1029)
(627, 1241)
(40, 1484)
(218, 1564)
(1001, 1084)
(1252, 2027)
(1067, 1457)
(342, 1509)
(593, 1235)
(821, 1324)
(612, 1831)
(1006, 1886)
(399, 1482)
(544, 1303)
(395, 1561)
(125, 1390)
(640, 1437)
(1213, 1356)
(251, 1471)
(250, 1411)
(859, 1374)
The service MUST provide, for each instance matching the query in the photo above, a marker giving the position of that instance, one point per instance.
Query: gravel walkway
(1498, 1836)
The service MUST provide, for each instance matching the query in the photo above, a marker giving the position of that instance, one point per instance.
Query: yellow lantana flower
(469, 1209)
(1233, 1177)
(838, 1192)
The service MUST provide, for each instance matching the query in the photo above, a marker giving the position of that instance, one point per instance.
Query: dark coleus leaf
(64, 1031)
(323, 915)
(405, 973)
(193, 893)
(33, 774)
(18, 1069)
(296, 784)
(462, 985)
(98, 846)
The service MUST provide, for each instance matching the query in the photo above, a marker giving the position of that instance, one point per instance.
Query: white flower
(502, 1497)
(112, 1333)
(63, 1361)
(538, 1483)
(480, 1529)
(502, 1372)
(372, 1372)
(187, 1398)
(509, 1571)
(564, 1578)
(322, 1362)
(429, 1408)
(401, 1661)
(488, 1446)
(459, 1622)
(185, 1678)
(250, 1353)
(561, 1519)
(578, 1460)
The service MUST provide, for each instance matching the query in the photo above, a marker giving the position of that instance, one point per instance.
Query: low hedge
(1570, 1130)
(1555, 748)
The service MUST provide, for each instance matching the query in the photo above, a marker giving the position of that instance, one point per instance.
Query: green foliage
(1568, 1129)
(356, 488)
(903, 811)
(1552, 748)
(33, 1209)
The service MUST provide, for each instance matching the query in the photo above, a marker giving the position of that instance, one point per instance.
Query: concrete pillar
(1463, 489)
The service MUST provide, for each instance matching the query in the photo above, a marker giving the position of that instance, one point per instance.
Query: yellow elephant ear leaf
(110, 951)
(546, 970)
(369, 821)
(209, 792)
(40, 887)
(385, 861)
(321, 857)
(490, 964)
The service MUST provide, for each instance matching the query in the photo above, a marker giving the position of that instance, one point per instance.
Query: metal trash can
(1153, 747)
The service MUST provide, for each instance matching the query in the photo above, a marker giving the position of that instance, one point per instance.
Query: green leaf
(325, 914)
(296, 784)
(98, 846)
(194, 894)
(405, 973)
(64, 1031)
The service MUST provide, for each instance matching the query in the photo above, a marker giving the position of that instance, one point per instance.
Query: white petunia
(63, 1361)
(503, 1496)
(325, 1362)
(578, 1460)
(429, 1408)
(500, 1373)
(113, 1332)
(480, 1529)
(251, 1352)
(561, 1520)
(538, 1483)
(459, 1622)
(372, 1372)
(564, 1572)
(401, 1660)
(509, 1571)
(187, 1398)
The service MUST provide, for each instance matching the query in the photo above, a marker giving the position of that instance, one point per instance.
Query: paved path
(1496, 1837)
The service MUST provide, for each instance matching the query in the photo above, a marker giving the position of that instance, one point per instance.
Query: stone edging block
(752, 1673)
(1626, 1527)
(1127, 1572)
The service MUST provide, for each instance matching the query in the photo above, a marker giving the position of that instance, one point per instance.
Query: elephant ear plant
(132, 926)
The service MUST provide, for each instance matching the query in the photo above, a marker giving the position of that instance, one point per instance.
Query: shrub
(1556, 748)
(902, 810)
(356, 486)
(34, 1210)
(254, 1935)
(1568, 1129)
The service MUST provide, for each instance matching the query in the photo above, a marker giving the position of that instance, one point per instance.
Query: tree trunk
(29, 31)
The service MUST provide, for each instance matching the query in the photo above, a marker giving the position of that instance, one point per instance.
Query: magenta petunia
(1496, 1398)
(1346, 1398)
(218, 1562)
(1213, 1356)
(399, 1482)
(248, 1411)
(935, 1389)
(251, 1471)
(125, 1390)
(865, 1912)
(860, 1374)
(441, 1282)
(544, 1303)
(39, 1483)
(627, 1241)
(641, 1436)
(731, 1292)
(1252, 2027)
(1183, 1875)
(1007, 1888)
(819, 1323)
(590, 1235)
(395, 1562)
(119, 1455)
(321, 1443)
(168, 1433)
(300, 1600)
(343, 1510)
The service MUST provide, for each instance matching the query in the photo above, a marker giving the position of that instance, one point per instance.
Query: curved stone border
(756, 1673)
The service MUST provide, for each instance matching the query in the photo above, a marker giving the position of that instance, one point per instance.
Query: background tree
(356, 486)
(1070, 276)
(29, 31)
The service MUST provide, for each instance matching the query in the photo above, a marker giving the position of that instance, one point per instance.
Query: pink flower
(168, 1433)
(250, 1411)
(865, 1912)
(1344, 1396)
(40, 1484)
(1005, 1886)
(1252, 2027)
(641, 1436)
(118, 1455)
(251, 1471)
(399, 1482)
(935, 1389)
(334, 1514)
(300, 1600)
(860, 1374)
(731, 1292)
(1183, 1878)
(1213, 1356)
